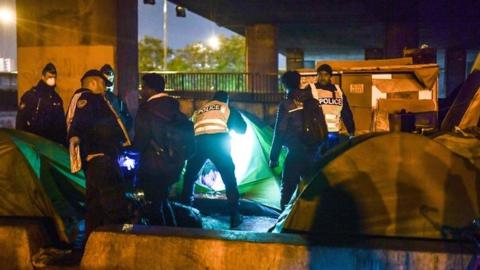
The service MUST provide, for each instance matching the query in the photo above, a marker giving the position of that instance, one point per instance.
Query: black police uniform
(101, 139)
(41, 112)
(289, 133)
(216, 147)
(121, 108)
(155, 176)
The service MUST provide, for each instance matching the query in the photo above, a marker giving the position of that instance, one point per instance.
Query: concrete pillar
(295, 57)
(262, 57)
(76, 35)
(127, 52)
(400, 35)
(455, 68)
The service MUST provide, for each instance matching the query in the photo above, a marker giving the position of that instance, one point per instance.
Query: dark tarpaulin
(466, 94)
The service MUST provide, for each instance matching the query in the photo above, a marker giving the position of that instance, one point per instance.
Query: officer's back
(216, 118)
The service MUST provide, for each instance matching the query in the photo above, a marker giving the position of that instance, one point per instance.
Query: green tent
(250, 153)
(35, 181)
(395, 184)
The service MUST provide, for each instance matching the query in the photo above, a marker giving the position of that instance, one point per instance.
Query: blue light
(129, 160)
(128, 163)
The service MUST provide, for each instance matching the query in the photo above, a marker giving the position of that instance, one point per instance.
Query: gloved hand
(74, 150)
(273, 164)
(127, 162)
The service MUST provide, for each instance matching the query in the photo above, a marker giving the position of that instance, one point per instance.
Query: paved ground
(250, 223)
(214, 217)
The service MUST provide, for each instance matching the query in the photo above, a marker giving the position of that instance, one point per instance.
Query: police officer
(335, 106)
(117, 103)
(98, 133)
(41, 109)
(212, 123)
(158, 168)
(289, 132)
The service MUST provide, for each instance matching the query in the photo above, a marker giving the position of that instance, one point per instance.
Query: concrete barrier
(177, 248)
(20, 239)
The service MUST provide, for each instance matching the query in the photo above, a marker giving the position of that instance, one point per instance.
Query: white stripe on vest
(211, 118)
(331, 104)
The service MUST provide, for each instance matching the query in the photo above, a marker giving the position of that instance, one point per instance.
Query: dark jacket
(151, 122)
(121, 108)
(346, 114)
(41, 112)
(235, 121)
(289, 124)
(96, 126)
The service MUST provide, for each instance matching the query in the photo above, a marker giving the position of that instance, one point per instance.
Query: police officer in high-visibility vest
(212, 122)
(335, 106)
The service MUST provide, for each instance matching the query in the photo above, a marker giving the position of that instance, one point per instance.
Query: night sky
(182, 31)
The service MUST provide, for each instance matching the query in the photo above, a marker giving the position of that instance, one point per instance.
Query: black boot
(188, 201)
(235, 219)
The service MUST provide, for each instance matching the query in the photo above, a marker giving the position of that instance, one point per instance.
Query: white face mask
(50, 82)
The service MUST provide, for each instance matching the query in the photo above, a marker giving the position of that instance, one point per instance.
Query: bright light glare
(242, 147)
(213, 42)
(7, 16)
(241, 150)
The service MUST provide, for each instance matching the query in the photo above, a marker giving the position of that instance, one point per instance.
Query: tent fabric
(395, 184)
(397, 85)
(462, 105)
(35, 181)
(426, 74)
(256, 181)
(467, 147)
(471, 118)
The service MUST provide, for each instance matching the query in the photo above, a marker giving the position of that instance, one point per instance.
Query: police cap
(107, 69)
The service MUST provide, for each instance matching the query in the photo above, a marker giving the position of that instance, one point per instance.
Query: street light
(165, 34)
(214, 42)
(7, 16)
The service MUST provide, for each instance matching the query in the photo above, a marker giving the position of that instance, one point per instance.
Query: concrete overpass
(311, 30)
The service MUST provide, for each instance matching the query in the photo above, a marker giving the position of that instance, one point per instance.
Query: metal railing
(240, 86)
(8, 81)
